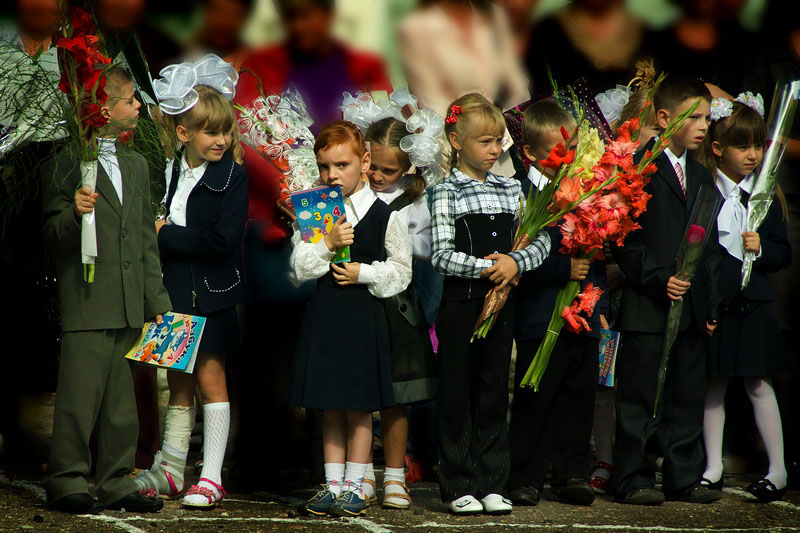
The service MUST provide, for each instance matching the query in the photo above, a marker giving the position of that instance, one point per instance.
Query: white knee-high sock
(216, 423)
(713, 426)
(768, 422)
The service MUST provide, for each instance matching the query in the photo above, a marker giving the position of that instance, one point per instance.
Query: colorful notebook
(609, 344)
(172, 345)
(317, 211)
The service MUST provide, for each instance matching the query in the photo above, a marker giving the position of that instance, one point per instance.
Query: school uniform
(648, 260)
(414, 376)
(101, 320)
(749, 341)
(554, 424)
(342, 360)
(473, 219)
(201, 246)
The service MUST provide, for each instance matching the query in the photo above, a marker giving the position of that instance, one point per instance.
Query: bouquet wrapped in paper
(82, 64)
(277, 127)
(781, 115)
(701, 221)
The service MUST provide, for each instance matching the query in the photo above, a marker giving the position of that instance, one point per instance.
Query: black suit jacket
(647, 258)
(776, 254)
(202, 262)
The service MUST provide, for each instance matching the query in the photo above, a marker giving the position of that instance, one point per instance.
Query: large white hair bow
(612, 101)
(175, 89)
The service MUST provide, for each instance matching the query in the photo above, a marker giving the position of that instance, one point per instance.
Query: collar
(459, 178)
(675, 159)
(196, 172)
(107, 145)
(361, 201)
(390, 196)
(727, 186)
(537, 178)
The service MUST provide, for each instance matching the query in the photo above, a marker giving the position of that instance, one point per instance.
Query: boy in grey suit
(101, 320)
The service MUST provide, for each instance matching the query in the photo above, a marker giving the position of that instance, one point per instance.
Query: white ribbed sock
(354, 477)
(334, 477)
(216, 423)
(713, 427)
(369, 490)
(768, 421)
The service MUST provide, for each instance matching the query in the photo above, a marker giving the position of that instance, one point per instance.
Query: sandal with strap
(399, 495)
(370, 500)
(214, 498)
(599, 483)
(158, 481)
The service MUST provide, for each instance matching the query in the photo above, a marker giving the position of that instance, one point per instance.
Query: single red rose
(558, 156)
(695, 234)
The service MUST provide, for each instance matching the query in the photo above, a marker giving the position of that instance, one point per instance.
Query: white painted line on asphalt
(116, 522)
(249, 501)
(436, 525)
(369, 525)
(779, 503)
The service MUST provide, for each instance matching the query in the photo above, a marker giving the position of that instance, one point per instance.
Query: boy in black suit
(648, 262)
(553, 425)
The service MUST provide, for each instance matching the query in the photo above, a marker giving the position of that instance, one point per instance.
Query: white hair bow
(175, 89)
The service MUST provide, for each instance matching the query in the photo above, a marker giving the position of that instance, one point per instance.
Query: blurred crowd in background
(440, 50)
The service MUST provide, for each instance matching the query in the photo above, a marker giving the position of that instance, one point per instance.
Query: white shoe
(466, 505)
(495, 504)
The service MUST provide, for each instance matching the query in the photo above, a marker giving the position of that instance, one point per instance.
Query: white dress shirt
(538, 179)
(732, 218)
(188, 178)
(108, 160)
(382, 278)
(418, 219)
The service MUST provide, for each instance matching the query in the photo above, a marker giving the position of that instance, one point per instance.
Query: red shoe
(599, 483)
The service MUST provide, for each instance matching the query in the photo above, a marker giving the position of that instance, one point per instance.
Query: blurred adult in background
(30, 327)
(321, 68)
(599, 40)
(220, 33)
(453, 47)
(707, 42)
(520, 17)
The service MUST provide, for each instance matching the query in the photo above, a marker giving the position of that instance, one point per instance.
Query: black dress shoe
(765, 490)
(713, 486)
(574, 490)
(77, 504)
(643, 496)
(525, 496)
(136, 503)
(696, 493)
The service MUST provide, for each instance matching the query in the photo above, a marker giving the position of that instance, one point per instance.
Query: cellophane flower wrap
(781, 115)
(601, 205)
(701, 222)
(277, 127)
(83, 64)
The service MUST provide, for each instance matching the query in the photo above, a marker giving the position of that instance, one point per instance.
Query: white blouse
(382, 278)
(188, 178)
(417, 218)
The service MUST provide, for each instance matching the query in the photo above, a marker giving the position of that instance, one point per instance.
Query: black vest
(479, 236)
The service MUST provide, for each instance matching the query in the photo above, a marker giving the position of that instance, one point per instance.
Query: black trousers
(554, 425)
(678, 426)
(472, 401)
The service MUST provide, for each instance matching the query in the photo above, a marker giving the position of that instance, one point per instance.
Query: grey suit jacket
(127, 288)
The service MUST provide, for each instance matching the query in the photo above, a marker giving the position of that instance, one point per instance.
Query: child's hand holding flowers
(85, 200)
(503, 271)
(751, 241)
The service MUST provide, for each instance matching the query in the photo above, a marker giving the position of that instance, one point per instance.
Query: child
(412, 354)
(101, 320)
(633, 108)
(474, 222)
(648, 262)
(553, 425)
(342, 365)
(200, 239)
(749, 342)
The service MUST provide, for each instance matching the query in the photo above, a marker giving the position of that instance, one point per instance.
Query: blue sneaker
(320, 504)
(350, 503)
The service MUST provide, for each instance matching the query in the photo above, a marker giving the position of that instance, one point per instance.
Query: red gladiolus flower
(569, 191)
(695, 234)
(564, 133)
(572, 320)
(558, 156)
(625, 131)
(588, 298)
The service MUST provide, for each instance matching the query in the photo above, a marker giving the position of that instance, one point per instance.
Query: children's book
(609, 344)
(172, 345)
(317, 211)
